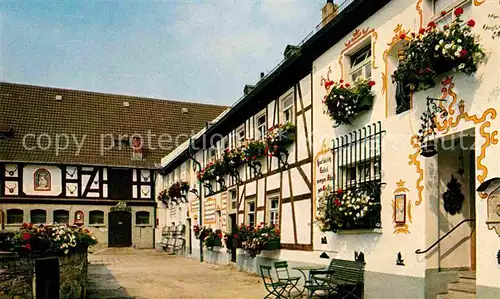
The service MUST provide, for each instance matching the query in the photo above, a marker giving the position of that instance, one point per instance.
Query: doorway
(234, 226)
(120, 229)
(456, 202)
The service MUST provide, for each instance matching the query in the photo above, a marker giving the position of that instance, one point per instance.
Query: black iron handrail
(418, 251)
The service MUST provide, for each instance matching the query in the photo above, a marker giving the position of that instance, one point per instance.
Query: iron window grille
(358, 160)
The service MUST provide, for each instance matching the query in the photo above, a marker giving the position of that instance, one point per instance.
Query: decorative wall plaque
(493, 220)
(79, 218)
(41, 180)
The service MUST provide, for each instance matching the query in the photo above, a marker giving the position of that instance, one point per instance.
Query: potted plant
(433, 51)
(207, 173)
(178, 190)
(345, 101)
(212, 238)
(253, 149)
(279, 137)
(163, 197)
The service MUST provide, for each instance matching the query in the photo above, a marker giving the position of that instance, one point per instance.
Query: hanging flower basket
(345, 101)
(233, 159)
(207, 173)
(178, 190)
(433, 51)
(254, 149)
(163, 197)
(279, 137)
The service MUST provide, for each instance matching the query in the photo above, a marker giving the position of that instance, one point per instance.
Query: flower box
(344, 101)
(433, 51)
(272, 245)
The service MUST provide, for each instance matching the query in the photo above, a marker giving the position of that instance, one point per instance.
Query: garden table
(303, 269)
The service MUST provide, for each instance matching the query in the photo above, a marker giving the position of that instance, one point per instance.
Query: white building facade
(381, 145)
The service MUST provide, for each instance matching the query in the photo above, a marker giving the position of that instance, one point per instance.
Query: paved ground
(141, 274)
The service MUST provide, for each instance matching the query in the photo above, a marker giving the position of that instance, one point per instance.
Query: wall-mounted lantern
(492, 188)
(428, 127)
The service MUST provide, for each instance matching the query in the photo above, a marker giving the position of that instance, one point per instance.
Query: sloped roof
(100, 119)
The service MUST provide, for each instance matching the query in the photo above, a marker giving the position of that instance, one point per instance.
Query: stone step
(464, 287)
(468, 274)
(107, 294)
(456, 295)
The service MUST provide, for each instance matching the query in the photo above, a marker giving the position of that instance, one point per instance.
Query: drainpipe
(198, 167)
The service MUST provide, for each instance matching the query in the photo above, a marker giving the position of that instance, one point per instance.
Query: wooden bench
(342, 276)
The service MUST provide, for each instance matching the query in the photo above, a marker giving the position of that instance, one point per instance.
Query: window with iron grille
(358, 175)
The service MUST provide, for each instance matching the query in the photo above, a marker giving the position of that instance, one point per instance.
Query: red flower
(342, 86)
(446, 27)
(371, 83)
(28, 246)
(254, 157)
(340, 191)
(422, 31)
(471, 23)
(26, 236)
(459, 11)
(347, 85)
(413, 34)
(402, 36)
(443, 12)
(337, 203)
(432, 24)
(341, 81)
(463, 53)
(236, 236)
(328, 84)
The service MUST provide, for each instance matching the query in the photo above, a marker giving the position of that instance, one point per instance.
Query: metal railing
(418, 251)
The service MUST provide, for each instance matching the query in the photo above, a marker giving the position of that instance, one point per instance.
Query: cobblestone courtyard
(130, 273)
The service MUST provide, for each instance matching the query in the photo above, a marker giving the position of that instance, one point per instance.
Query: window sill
(144, 225)
(97, 225)
(13, 224)
(359, 231)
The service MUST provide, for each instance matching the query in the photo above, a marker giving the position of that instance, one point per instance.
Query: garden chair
(284, 276)
(275, 289)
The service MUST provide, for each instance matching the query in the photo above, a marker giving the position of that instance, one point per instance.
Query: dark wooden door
(47, 278)
(120, 229)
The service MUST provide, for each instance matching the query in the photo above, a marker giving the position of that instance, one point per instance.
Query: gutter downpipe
(198, 166)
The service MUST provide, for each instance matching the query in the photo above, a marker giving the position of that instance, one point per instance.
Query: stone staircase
(463, 288)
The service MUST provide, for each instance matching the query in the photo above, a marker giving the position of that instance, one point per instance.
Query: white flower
(357, 214)
(461, 66)
(441, 42)
(459, 41)
(365, 209)
(457, 53)
(437, 47)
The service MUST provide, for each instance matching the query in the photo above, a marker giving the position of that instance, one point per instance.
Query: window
(274, 204)
(15, 216)
(251, 213)
(287, 110)
(358, 172)
(61, 216)
(38, 216)
(96, 217)
(240, 135)
(260, 124)
(449, 6)
(361, 63)
(233, 195)
(142, 217)
(212, 153)
(225, 143)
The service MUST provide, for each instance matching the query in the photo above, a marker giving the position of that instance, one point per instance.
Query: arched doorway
(119, 229)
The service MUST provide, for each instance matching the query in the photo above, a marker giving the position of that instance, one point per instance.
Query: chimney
(261, 75)
(328, 12)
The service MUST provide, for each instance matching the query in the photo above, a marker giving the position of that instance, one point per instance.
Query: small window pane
(368, 71)
(15, 216)
(61, 216)
(96, 217)
(234, 199)
(142, 217)
(38, 216)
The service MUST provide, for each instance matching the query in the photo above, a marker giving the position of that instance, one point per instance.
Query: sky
(203, 51)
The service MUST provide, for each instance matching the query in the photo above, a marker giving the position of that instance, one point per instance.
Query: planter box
(273, 245)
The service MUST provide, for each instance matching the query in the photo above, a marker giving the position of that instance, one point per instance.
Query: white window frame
(261, 129)
(450, 8)
(212, 153)
(233, 200)
(225, 143)
(273, 213)
(285, 109)
(248, 212)
(240, 138)
(361, 65)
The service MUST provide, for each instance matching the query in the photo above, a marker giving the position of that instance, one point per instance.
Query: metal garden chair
(275, 289)
(284, 276)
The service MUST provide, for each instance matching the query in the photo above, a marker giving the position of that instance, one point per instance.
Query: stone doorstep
(456, 295)
(464, 287)
(467, 274)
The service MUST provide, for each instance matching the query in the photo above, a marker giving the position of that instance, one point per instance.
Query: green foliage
(344, 101)
(434, 51)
